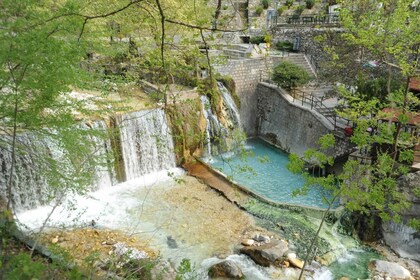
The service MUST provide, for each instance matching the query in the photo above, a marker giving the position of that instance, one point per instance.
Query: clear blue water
(354, 264)
(264, 171)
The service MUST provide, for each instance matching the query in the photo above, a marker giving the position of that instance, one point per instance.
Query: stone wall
(247, 73)
(308, 42)
(287, 124)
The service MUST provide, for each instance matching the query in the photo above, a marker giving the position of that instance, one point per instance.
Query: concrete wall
(292, 127)
(247, 73)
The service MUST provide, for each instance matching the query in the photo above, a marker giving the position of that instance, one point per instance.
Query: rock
(296, 263)
(344, 278)
(262, 238)
(226, 269)
(266, 254)
(291, 256)
(163, 270)
(54, 240)
(122, 250)
(389, 269)
(248, 242)
(171, 242)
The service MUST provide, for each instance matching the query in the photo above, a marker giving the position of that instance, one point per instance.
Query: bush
(259, 10)
(289, 3)
(256, 40)
(265, 3)
(281, 10)
(309, 4)
(299, 10)
(288, 75)
(284, 46)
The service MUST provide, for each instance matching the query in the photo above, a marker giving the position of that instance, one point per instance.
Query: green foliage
(185, 123)
(309, 4)
(260, 39)
(186, 271)
(22, 266)
(299, 10)
(289, 75)
(289, 3)
(265, 3)
(284, 46)
(259, 10)
(281, 10)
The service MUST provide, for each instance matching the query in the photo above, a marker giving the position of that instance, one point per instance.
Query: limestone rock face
(226, 269)
(404, 240)
(389, 269)
(267, 254)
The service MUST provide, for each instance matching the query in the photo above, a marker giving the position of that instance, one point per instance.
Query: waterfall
(27, 171)
(206, 107)
(230, 105)
(105, 175)
(402, 239)
(216, 133)
(220, 136)
(146, 142)
(146, 145)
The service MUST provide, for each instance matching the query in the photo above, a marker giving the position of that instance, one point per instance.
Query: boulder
(266, 254)
(248, 242)
(262, 238)
(389, 269)
(296, 263)
(226, 269)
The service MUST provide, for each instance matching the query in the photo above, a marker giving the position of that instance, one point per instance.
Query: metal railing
(310, 19)
(318, 105)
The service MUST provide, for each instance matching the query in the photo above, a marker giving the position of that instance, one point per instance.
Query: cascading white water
(402, 239)
(38, 156)
(206, 104)
(29, 187)
(230, 105)
(104, 173)
(218, 135)
(146, 146)
(146, 143)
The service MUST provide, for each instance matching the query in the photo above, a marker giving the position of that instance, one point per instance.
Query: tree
(38, 64)
(289, 75)
(386, 33)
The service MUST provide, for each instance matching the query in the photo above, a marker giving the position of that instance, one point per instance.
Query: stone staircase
(237, 51)
(302, 61)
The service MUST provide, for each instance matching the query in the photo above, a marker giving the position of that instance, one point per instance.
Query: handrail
(318, 105)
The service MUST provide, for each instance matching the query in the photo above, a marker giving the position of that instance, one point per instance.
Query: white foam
(106, 207)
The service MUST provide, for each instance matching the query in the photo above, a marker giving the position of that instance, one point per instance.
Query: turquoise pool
(264, 171)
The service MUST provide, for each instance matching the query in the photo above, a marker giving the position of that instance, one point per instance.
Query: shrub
(256, 40)
(289, 75)
(265, 3)
(289, 3)
(284, 46)
(299, 10)
(259, 10)
(281, 10)
(309, 4)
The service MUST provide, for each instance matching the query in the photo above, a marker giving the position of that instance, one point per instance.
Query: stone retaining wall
(291, 126)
